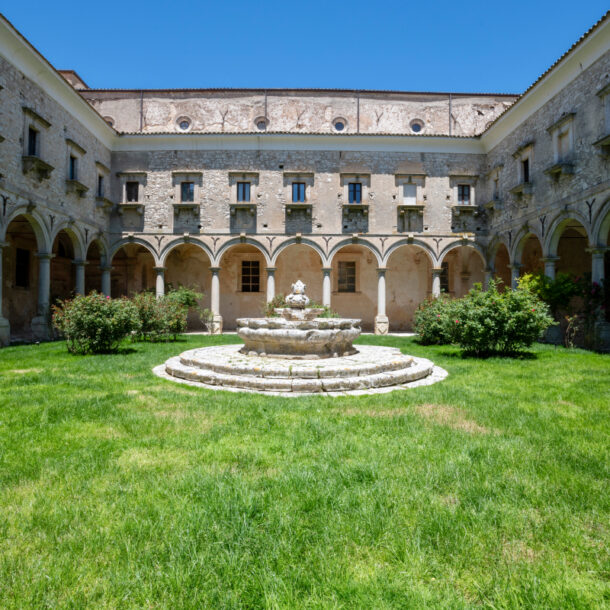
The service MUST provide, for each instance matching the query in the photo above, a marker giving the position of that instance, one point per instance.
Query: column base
(5, 332)
(215, 326)
(382, 325)
(40, 328)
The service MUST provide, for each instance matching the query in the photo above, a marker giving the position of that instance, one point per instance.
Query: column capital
(4, 244)
(515, 266)
(437, 270)
(105, 267)
(159, 269)
(549, 259)
(45, 255)
(214, 269)
(79, 262)
(381, 269)
(326, 269)
(271, 269)
(597, 250)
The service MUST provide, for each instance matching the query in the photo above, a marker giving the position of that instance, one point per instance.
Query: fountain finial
(297, 299)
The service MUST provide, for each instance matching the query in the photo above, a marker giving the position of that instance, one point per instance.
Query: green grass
(119, 489)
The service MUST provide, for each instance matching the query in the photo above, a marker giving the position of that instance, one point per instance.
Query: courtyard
(120, 489)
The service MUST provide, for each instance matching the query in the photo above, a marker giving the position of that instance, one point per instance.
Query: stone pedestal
(5, 332)
(216, 325)
(382, 325)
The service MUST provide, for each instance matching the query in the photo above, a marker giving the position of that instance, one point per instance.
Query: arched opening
(408, 283)
(354, 284)
(299, 262)
(502, 267)
(243, 283)
(132, 271)
(188, 265)
(462, 268)
(20, 278)
(93, 269)
(62, 268)
(531, 255)
(572, 247)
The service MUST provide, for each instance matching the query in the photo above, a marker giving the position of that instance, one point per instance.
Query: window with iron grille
(32, 142)
(22, 268)
(250, 276)
(463, 194)
(355, 192)
(243, 191)
(298, 192)
(445, 277)
(187, 192)
(131, 190)
(347, 276)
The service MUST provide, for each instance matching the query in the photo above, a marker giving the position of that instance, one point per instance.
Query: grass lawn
(119, 489)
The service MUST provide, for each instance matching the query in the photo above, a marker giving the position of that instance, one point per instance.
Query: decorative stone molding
(40, 169)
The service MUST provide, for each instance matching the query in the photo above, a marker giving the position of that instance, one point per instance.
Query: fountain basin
(317, 338)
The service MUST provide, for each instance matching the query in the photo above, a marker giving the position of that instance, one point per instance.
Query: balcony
(104, 204)
(186, 206)
(494, 204)
(561, 168)
(355, 218)
(298, 218)
(604, 145)
(130, 206)
(243, 218)
(523, 189)
(467, 218)
(37, 167)
(410, 217)
(76, 187)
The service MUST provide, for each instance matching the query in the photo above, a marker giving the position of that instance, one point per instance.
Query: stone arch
(78, 243)
(463, 265)
(296, 241)
(354, 282)
(95, 258)
(528, 253)
(188, 264)
(360, 242)
(568, 243)
(112, 251)
(66, 249)
(601, 228)
(176, 243)
(422, 245)
(25, 237)
(133, 264)
(244, 241)
(299, 261)
(556, 229)
(36, 222)
(500, 265)
(408, 283)
(243, 281)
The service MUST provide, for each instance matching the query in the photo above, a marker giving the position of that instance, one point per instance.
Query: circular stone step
(372, 369)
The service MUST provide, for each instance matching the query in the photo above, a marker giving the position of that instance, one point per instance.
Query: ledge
(557, 169)
(407, 207)
(134, 206)
(76, 146)
(74, 186)
(603, 144)
(523, 189)
(32, 164)
(190, 206)
(251, 207)
(299, 206)
(493, 204)
(356, 207)
(33, 114)
(465, 209)
(104, 203)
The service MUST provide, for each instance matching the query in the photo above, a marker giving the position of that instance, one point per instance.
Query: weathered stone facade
(376, 200)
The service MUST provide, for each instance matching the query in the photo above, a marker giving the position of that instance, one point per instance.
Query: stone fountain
(299, 353)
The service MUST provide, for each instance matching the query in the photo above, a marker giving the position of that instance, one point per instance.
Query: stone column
(106, 284)
(597, 264)
(382, 324)
(436, 282)
(270, 283)
(216, 328)
(326, 286)
(5, 327)
(160, 281)
(40, 323)
(489, 275)
(549, 266)
(515, 269)
(79, 284)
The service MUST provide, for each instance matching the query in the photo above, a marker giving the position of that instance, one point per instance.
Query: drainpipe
(450, 114)
(141, 109)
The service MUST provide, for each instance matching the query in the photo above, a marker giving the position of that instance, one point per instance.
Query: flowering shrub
(95, 323)
(160, 318)
(434, 322)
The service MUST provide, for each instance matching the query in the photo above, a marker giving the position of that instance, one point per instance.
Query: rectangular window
(563, 145)
(355, 192)
(347, 276)
(496, 188)
(72, 168)
(187, 192)
(525, 170)
(445, 277)
(32, 142)
(22, 268)
(250, 276)
(100, 186)
(409, 192)
(131, 191)
(298, 192)
(243, 191)
(463, 194)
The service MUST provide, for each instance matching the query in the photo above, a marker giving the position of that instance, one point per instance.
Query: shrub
(187, 297)
(488, 322)
(95, 323)
(434, 321)
(160, 318)
(556, 293)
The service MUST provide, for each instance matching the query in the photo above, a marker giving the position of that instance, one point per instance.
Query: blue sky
(425, 46)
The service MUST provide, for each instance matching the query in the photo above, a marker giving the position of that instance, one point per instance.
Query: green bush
(490, 322)
(556, 293)
(433, 321)
(161, 318)
(95, 323)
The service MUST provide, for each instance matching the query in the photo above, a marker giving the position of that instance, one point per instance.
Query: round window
(184, 123)
(109, 120)
(417, 125)
(339, 124)
(261, 123)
